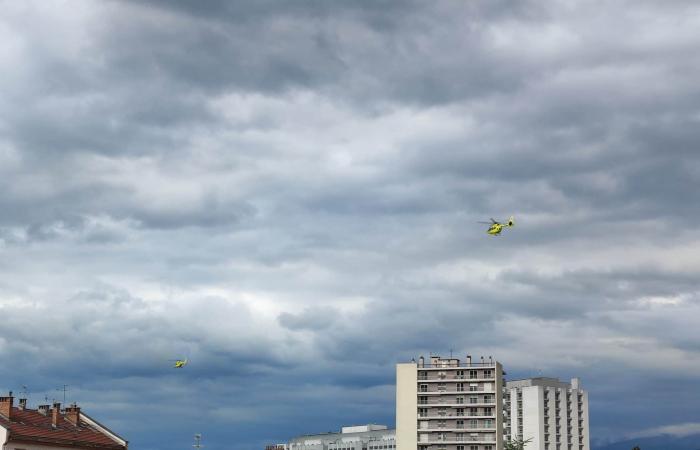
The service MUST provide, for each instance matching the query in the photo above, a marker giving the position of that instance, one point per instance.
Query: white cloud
(677, 430)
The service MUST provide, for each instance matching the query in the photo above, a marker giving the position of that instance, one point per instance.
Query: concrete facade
(552, 413)
(446, 404)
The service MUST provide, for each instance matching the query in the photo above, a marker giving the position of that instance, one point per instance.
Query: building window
(460, 400)
(473, 423)
(423, 400)
(424, 388)
(472, 374)
(442, 387)
(488, 411)
(460, 374)
(488, 423)
(487, 374)
(460, 411)
(460, 447)
(460, 387)
(473, 399)
(473, 411)
(488, 447)
(460, 424)
(423, 412)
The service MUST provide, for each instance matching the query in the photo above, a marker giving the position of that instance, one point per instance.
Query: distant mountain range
(663, 442)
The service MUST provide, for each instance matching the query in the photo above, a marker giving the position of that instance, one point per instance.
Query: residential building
(553, 414)
(446, 404)
(52, 428)
(359, 437)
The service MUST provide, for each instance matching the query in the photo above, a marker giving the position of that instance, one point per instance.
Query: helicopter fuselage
(495, 229)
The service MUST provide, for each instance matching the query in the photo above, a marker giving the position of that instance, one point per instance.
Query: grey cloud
(310, 319)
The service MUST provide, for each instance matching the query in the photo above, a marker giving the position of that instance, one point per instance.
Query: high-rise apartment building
(445, 404)
(553, 414)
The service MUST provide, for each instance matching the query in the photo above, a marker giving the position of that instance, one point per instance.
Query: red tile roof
(29, 425)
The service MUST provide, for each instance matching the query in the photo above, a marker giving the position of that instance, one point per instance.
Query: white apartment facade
(553, 414)
(446, 404)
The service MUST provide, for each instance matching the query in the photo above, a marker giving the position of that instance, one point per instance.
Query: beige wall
(19, 445)
(406, 406)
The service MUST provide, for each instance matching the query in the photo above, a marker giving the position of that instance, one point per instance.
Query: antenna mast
(197, 441)
(65, 389)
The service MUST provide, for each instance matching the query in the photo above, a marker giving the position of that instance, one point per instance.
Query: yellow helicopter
(179, 363)
(496, 227)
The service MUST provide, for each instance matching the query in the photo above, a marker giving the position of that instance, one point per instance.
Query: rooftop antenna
(64, 389)
(24, 392)
(197, 441)
(451, 353)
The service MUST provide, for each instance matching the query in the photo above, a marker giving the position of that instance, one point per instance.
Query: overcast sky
(286, 192)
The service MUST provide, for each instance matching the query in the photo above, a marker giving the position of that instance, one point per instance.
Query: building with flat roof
(447, 404)
(552, 413)
(356, 437)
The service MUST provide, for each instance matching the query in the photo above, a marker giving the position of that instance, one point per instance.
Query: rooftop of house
(53, 426)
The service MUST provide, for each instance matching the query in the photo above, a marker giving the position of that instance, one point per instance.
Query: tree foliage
(516, 444)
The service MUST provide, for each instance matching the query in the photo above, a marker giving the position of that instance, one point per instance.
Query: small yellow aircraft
(179, 363)
(496, 227)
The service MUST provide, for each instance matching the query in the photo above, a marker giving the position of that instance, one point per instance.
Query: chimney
(22, 403)
(43, 409)
(421, 361)
(469, 360)
(73, 414)
(6, 405)
(55, 414)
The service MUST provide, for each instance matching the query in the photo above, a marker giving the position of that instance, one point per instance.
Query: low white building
(553, 414)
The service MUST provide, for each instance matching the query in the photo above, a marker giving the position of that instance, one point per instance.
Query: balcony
(444, 366)
(486, 439)
(454, 379)
(454, 416)
(456, 405)
(456, 429)
(452, 391)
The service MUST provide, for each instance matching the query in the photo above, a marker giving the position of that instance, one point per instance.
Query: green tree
(517, 444)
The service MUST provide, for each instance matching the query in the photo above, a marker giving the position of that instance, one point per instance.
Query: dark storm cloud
(286, 193)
